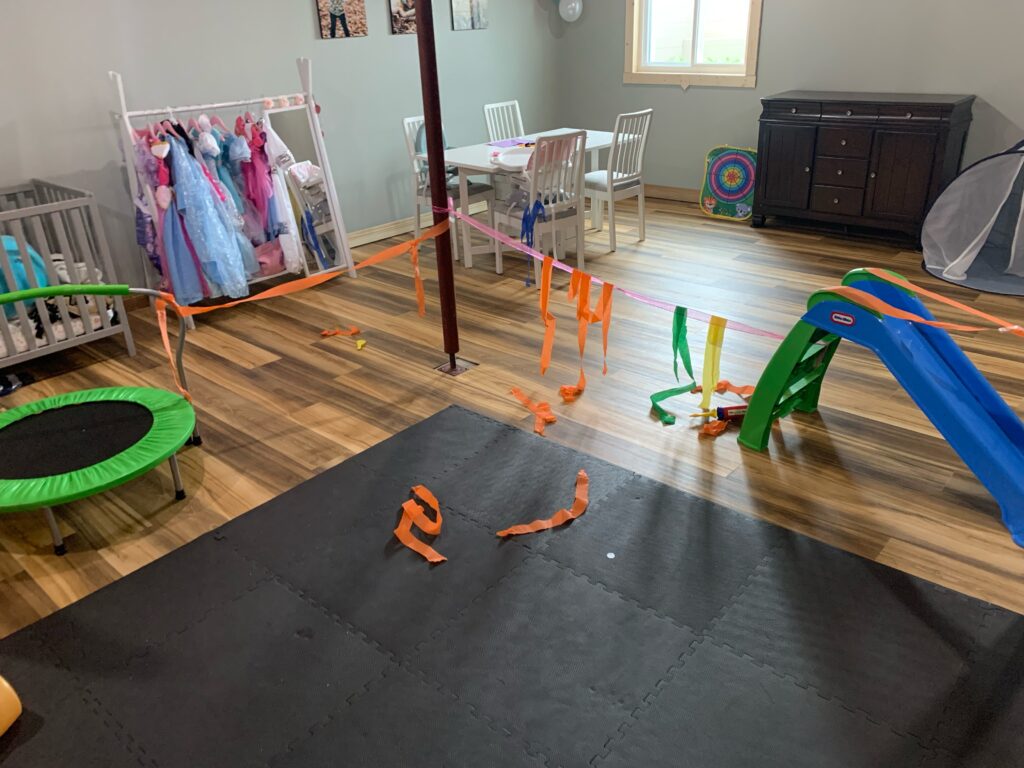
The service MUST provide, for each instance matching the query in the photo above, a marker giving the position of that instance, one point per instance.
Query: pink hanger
(192, 123)
(166, 124)
(215, 120)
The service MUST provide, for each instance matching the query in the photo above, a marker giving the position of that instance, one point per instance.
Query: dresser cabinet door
(900, 174)
(785, 165)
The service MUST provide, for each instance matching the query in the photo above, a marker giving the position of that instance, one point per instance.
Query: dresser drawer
(792, 109)
(839, 200)
(844, 142)
(908, 112)
(852, 111)
(840, 171)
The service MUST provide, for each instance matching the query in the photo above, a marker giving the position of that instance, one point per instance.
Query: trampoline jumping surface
(657, 630)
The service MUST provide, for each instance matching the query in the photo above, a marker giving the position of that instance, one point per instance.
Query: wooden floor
(278, 404)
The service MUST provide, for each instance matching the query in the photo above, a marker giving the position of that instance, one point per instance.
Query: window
(693, 42)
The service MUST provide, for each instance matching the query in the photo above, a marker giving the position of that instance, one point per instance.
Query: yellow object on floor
(360, 344)
(10, 706)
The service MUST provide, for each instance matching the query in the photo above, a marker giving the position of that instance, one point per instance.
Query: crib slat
(18, 232)
(57, 222)
(27, 329)
(85, 250)
(104, 261)
(43, 246)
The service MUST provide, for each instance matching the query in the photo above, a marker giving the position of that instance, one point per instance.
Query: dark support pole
(438, 179)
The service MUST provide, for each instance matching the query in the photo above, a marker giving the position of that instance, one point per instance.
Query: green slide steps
(792, 380)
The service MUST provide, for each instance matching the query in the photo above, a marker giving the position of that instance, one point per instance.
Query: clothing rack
(333, 229)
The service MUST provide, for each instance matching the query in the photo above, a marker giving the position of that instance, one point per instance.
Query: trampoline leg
(58, 540)
(179, 488)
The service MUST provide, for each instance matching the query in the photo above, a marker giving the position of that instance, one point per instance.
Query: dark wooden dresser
(874, 160)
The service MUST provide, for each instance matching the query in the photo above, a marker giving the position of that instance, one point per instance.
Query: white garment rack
(335, 227)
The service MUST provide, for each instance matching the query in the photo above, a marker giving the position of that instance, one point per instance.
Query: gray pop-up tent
(974, 234)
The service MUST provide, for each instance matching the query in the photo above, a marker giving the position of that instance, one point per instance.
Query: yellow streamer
(712, 359)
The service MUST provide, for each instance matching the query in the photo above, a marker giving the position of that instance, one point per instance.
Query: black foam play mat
(656, 630)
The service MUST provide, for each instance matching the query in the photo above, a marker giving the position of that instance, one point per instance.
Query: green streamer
(680, 351)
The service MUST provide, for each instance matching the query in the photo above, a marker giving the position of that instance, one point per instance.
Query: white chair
(503, 120)
(624, 177)
(412, 127)
(555, 177)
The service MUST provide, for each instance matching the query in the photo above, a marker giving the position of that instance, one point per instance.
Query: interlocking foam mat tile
(657, 629)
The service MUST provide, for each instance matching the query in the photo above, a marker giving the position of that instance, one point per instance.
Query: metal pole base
(58, 540)
(455, 366)
(179, 488)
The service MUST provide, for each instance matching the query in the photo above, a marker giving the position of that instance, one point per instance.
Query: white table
(476, 159)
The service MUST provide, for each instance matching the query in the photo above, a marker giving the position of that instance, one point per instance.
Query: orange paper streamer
(414, 514)
(725, 385)
(1003, 325)
(715, 428)
(352, 331)
(546, 317)
(562, 516)
(294, 286)
(541, 411)
(579, 289)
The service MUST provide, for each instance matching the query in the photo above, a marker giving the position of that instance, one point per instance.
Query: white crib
(63, 227)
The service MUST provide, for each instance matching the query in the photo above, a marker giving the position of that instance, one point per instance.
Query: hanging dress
(213, 238)
(281, 159)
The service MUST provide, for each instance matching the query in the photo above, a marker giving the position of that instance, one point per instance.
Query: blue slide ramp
(930, 366)
(944, 383)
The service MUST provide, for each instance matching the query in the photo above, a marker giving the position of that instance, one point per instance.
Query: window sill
(685, 80)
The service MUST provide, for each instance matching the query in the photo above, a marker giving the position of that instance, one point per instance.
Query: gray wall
(57, 101)
(937, 46)
(55, 122)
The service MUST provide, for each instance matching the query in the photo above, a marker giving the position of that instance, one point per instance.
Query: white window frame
(736, 76)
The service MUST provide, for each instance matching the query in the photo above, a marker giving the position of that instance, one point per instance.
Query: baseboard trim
(391, 229)
(680, 194)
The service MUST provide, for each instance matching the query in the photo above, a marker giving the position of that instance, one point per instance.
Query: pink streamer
(696, 314)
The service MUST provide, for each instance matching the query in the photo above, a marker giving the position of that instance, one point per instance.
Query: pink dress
(258, 185)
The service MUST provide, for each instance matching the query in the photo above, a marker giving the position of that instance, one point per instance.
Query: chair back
(556, 171)
(504, 120)
(411, 126)
(629, 143)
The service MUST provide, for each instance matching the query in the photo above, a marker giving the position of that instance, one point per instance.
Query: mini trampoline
(68, 447)
(72, 446)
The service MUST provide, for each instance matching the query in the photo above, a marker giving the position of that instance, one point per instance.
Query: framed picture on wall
(469, 14)
(341, 18)
(403, 17)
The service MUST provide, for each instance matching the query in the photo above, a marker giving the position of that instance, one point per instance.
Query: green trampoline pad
(71, 446)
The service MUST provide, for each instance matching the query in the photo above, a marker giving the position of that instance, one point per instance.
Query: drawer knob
(807, 169)
(842, 142)
(849, 112)
(793, 111)
(873, 174)
(909, 115)
(839, 172)
(835, 201)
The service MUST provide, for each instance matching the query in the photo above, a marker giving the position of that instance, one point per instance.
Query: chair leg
(416, 222)
(536, 263)
(641, 204)
(179, 487)
(453, 235)
(581, 247)
(58, 540)
(499, 262)
(611, 223)
(597, 213)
